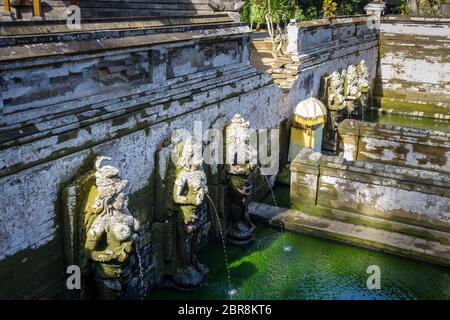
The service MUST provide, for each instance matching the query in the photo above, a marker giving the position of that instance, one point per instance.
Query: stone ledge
(45, 121)
(21, 27)
(394, 132)
(372, 238)
(415, 20)
(38, 46)
(88, 133)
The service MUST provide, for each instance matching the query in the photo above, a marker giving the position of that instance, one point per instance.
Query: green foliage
(329, 8)
(280, 11)
(404, 7)
(254, 11)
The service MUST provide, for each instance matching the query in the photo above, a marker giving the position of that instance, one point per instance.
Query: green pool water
(407, 121)
(314, 268)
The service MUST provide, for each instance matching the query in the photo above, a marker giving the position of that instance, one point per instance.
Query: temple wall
(414, 66)
(402, 146)
(321, 47)
(140, 90)
(332, 186)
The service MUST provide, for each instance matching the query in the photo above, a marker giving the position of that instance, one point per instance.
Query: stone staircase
(283, 70)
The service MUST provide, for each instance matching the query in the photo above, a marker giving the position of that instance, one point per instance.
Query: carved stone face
(336, 82)
(240, 152)
(362, 69)
(120, 202)
(351, 73)
(191, 156)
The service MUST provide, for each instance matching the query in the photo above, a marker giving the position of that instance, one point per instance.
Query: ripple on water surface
(312, 269)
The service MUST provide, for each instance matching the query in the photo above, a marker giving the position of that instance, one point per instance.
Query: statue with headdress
(335, 98)
(351, 89)
(363, 85)
(111, 232)
(335, 102)
(240, 165)
(189, 195)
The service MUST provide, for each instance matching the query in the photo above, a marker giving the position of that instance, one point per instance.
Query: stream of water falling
(286, 248)
(141, 272)
(231, 292)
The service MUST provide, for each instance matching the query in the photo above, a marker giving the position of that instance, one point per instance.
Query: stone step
(373, 238)
(262, 45)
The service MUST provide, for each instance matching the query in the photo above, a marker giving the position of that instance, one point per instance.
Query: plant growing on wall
(404, 7)
(329, 8)
(429, 7)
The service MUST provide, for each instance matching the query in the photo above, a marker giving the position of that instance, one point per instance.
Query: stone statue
(189, 194)
(239, 168)
(335, 103)
(363, 86)
(336, 99)
(351, 89)
(111, 232)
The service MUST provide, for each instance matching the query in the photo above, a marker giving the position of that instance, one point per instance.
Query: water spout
(231, 292)
(286, 248)
(141, 272)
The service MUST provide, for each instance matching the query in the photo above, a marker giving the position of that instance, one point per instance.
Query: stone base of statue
(240, 228)
(111, 280)
(191, 273)
(191, 277)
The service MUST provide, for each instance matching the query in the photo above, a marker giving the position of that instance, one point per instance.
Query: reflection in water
(313, 269)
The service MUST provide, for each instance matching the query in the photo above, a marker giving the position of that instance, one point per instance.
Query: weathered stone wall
(414, 69)
(321, 47)
(402, 146)
(140, 86)
(330, 186)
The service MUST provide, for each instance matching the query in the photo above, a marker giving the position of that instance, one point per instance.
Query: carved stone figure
(239, 168)
(363, 85)
(336, 104)
(111, 233)
(351, 89)
(189, 193)
(336, 99)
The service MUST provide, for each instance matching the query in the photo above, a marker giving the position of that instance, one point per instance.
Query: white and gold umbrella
(310, 112)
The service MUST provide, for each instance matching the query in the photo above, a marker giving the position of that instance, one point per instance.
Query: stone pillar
(376, 7)
(348, 135)
(304, 179)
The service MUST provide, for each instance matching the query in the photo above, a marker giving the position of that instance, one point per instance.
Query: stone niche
(172, 239)
(110, 267)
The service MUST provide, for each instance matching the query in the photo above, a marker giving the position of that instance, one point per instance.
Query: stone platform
(392, 241)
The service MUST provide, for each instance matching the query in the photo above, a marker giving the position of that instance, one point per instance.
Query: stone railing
(308, 37)
(416, 148)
